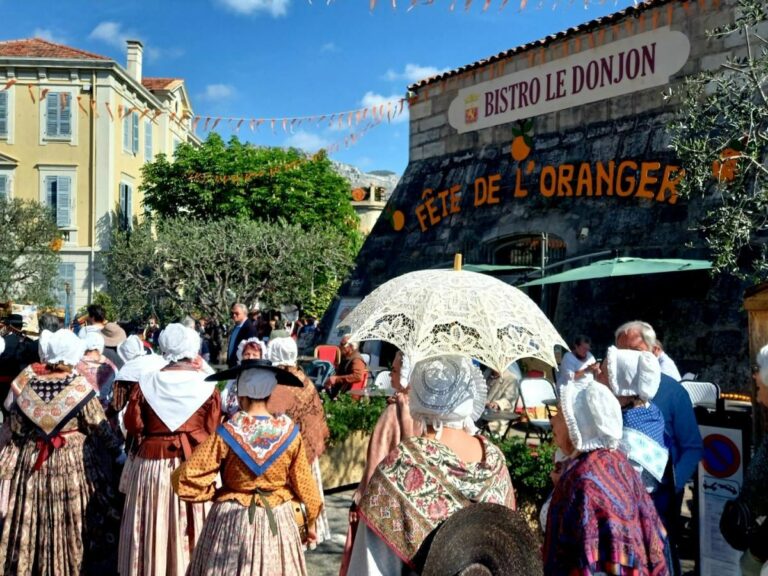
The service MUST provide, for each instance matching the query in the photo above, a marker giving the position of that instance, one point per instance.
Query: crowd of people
(115, 459)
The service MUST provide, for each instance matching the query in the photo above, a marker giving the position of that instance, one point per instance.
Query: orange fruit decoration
(398, 220)
(358, 194)
(56, 244)
(522, 143)
(724, 169)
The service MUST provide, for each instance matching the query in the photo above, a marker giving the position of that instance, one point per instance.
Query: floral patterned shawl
(258, 440)
(421, 483)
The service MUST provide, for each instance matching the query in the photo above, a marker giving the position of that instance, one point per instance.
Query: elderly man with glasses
(352, 371)
(242, 329)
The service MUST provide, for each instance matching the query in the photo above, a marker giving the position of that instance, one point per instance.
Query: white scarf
(175, 395)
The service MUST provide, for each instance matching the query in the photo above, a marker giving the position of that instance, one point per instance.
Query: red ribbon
(45, 447)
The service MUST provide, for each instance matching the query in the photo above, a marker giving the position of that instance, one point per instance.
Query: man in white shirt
(578, 363)
(668, 365)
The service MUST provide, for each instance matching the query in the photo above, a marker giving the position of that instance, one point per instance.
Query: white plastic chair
(382, 381)
(366, 358)
(701, 393)
(533, 393)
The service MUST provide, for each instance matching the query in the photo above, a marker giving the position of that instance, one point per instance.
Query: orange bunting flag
(157, 113)
(93, 107)
(120, 110)
(358, 115)
(365, 113)
(79, 103)
(31, 93)
(285, 125)
(64, 100)
(486, 5)
(10, 83)
(146, 111)
(381, 111)
(215, 123)
(44, 93)
(205, 126)
(195, 122)
(523, 4)
(109, 111)
(373, 5)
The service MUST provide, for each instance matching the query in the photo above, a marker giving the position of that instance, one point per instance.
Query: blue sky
(277, 58)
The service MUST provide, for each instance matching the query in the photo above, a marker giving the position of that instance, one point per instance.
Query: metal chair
(702, 393)
(533, 393)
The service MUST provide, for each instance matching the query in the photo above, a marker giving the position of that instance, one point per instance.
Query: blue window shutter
(50, 191)
(148, 141)
(128, 207)
(63, 201)
(3, 114)
(127, 133)
(3, 187)
(135, 148)
(52, 114)
(65, 115)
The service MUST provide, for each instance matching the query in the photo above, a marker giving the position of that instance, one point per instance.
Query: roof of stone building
(39, 48)
(156, 84)
(573, 31)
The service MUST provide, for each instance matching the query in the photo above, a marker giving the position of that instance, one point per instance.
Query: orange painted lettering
(584, 180)
(455, 198)
(564, 177)
(548, 181)
(672, 177)
(605, 177)
(481, 191)
(647, 179)
(630, 180)
(493, 189)
(520, 192)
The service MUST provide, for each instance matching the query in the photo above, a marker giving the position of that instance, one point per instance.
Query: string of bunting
(388, 111)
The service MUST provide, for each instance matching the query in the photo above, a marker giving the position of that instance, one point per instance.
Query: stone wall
(699, 318)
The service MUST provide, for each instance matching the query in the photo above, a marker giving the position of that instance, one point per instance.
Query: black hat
(283, 376)
(14, 320)
(483, 539)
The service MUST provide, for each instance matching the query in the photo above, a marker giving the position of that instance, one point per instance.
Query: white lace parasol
(434, 312)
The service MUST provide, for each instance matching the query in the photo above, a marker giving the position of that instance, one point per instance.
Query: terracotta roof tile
(586, 27)
(39, 48)
(158, 83)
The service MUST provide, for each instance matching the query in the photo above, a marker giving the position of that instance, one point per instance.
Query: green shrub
(347, 414)
(529, 467)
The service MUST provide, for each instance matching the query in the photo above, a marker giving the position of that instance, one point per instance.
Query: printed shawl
(602, 520)
(421, 483)
(52, 415)
(258, 440)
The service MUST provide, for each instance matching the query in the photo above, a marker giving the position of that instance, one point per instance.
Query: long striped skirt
(322, 527)
(159, 530)
(232, 545)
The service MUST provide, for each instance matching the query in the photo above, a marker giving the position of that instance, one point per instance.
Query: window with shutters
(4, 114)
(58, 191)
(126, 206)
(58, 116)
(148, 140)
(67, 275)
(5, 184)
(135, 132)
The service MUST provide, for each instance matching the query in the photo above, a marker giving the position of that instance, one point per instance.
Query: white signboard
(345, 307)
(622, 67)
(721, 474)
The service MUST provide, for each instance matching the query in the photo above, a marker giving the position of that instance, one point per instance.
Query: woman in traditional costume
(248, 349)
(601, 519)
(251, 529)
(62, 518)
(97, 368)
(426, 479)
(172, 411)
(304, 407)
(137, 359)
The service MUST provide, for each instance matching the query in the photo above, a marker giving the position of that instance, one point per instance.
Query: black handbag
(737, 524)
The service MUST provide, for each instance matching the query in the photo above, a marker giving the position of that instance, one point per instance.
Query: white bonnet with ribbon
(178, 342)
(592, 414)
(633, 373)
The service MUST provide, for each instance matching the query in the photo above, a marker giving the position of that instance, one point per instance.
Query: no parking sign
(721, 473)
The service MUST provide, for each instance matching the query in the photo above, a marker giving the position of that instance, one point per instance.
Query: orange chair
(328, 353)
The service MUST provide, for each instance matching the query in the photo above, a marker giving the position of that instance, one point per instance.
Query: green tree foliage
(721, 136)
(237, 180)
(28, 259)
(187, 265)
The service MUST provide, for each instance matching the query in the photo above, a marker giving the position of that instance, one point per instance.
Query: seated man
(351, 372)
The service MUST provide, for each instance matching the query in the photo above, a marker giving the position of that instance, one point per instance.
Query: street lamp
(67, 291)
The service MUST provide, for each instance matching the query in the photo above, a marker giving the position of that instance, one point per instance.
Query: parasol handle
(457, 262)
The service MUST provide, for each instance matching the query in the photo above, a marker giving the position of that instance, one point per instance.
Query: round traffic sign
(721, 456)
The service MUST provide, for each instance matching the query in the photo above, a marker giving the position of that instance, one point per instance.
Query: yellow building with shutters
(75, 130)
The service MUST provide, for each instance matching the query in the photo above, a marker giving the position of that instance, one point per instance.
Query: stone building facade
(559, 150)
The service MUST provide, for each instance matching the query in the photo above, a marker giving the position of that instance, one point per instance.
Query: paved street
(326, 558)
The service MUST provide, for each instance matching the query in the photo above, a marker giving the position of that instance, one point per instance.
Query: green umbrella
(494, 268)
(622, 267)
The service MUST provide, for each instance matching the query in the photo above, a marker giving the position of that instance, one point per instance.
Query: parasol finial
(457, 262)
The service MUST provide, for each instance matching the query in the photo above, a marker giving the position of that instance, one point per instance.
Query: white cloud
(414, 73)
(113, 34)
(48, 34)
(273, 7)
(329, 47)
(306, 141)
(371, 99)
(218, 92)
